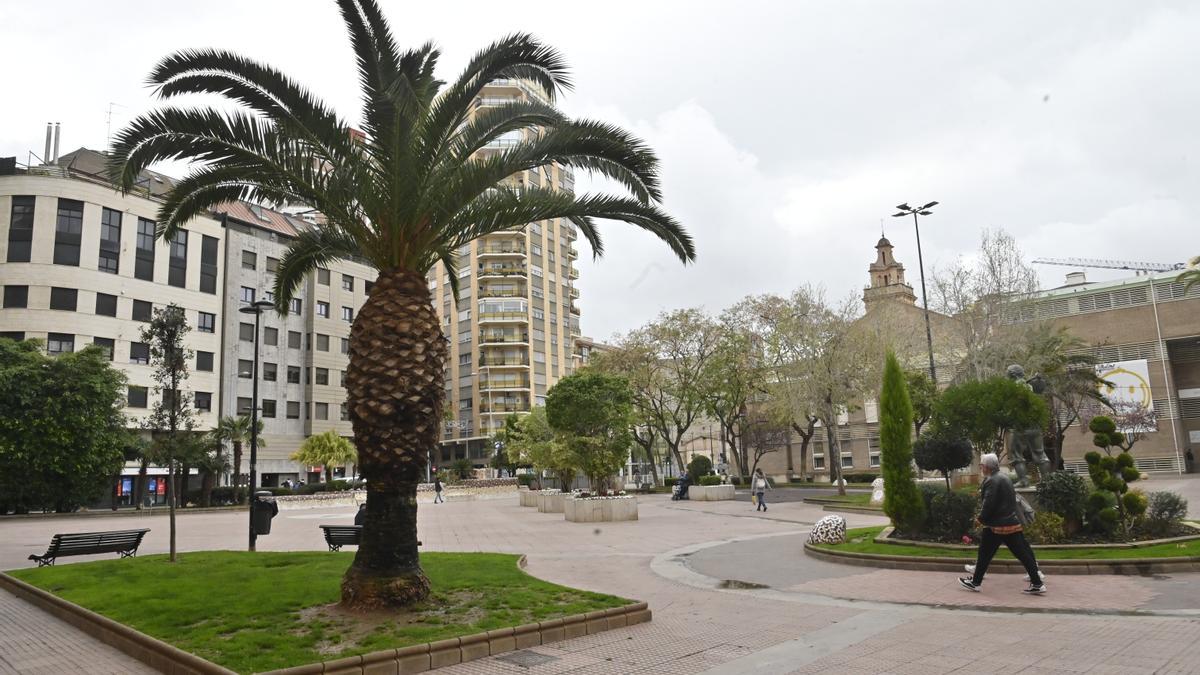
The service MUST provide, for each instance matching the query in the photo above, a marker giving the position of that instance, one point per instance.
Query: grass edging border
(1120, 566)
(150, 651)
(884, 537)
(412, 659)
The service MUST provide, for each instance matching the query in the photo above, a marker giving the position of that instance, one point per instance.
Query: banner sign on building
(1128, 385)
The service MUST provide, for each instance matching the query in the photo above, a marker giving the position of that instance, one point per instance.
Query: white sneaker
(971, 570)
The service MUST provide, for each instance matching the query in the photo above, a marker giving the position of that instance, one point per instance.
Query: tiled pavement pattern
(697, 628)
(35, 643)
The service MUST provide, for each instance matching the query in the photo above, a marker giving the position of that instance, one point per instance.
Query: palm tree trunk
(394, 386)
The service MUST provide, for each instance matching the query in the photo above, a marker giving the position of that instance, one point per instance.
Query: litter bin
(265, 509)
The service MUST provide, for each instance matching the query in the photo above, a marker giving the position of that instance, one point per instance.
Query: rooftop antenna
(108, 117)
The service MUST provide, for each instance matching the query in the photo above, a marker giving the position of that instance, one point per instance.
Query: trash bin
(265, 508)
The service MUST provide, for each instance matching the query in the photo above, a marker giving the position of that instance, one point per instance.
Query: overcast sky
(786, 130)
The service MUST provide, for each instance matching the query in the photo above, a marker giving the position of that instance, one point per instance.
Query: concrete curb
(150, 651)
(885, 537)
(124, 513)
(1124, 566)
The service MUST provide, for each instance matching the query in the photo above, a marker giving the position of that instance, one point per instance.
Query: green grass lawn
(260, 611)
(860, 540)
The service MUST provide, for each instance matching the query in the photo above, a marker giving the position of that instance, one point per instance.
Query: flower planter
(710, 493)
(528, 497)
(550, 501)
(600, 509)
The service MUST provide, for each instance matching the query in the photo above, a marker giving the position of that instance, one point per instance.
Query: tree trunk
(394, 390)
(171, 487)
(184, 473)
(791, 468)
(139, 485)
(206, 488)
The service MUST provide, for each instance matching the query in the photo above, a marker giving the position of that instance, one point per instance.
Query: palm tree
(236, 431)
(327, 450)
(406, 192)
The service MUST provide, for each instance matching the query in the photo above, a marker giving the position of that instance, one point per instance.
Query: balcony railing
(485, 292)
(494, 362)
(574, 293)
(503, 338)
(504, 316)
(572, 252)
(573, 274)
(502, 250)
(502, 271)
(575, 309)
(495, 408)
(503, 383)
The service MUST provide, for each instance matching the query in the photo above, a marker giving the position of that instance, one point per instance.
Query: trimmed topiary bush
(1113, 475)
(1047, 528)
(710, 480)
(1065, 494)
(860, 477)
(901, 500)
(699, 466)
(1164, 511)
(949, 514)
(941, 451)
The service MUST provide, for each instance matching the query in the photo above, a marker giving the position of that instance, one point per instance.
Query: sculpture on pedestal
(1026, 444)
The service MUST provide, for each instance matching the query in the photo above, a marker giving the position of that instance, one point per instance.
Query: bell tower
(887, 278)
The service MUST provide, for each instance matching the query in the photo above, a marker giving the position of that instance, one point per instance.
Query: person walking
(998, 517)
(761, 485)
(437, 490)
(361, 517)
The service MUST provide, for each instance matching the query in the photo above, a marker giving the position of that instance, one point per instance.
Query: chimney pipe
(49, 137)
(57, 138)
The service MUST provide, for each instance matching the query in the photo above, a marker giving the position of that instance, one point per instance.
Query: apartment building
(81, 265)
(512, 330)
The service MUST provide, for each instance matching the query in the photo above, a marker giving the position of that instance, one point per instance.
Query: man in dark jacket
(998, 517)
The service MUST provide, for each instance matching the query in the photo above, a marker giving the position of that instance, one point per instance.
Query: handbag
(754, 499)
(1025, 512)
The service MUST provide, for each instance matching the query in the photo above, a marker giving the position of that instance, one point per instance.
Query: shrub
(1047, 528)
(339, 485)
(949, 514)
(278, 491)
(939, 450)
(1102, 515)
(227, 494)
(735, 480)
(525, 479)
(699, 466)
(670, 482)
(860, 477)
(902, 501)
(1063, 493)
(710, 480)
(1165, 509)
(1113, 475)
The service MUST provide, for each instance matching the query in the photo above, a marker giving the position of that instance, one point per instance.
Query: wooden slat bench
(338, 536)
(125, 542)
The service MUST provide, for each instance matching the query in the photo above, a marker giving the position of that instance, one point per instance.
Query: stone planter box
(550, 502)
(602, 510)
(527, 497)
(710, 493)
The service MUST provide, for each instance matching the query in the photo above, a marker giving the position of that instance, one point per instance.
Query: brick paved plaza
(811, 617)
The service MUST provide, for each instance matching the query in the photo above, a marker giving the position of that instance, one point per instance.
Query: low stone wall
(710, 493)
(466, 491)
(600, 509)
(550, 501)
(527, 497)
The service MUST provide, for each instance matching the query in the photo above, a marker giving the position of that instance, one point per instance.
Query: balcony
(503, 317)
(574, 293)
(575, 309)
(499, 383)
(574, 274)
(486, 271)
(503, 407)
(486, 291)
(572, 252)
(501, 338)
(569, 232)
(501, 251)
(504, 361)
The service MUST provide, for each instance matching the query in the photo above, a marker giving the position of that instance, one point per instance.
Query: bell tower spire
(887, 277)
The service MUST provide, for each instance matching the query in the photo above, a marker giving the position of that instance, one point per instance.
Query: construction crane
(1137, 267)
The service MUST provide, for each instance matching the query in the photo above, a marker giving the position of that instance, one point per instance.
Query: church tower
(887, 278)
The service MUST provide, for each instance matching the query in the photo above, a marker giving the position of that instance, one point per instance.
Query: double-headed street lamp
(905, 210)
(255, 308)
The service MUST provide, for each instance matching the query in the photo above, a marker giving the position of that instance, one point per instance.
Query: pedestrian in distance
(761, 485)
(437, 490)
(998, 518)
(361, 516)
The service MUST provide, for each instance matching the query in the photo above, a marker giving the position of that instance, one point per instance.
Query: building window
(208, 264)
(293, 410)
(60, 343)
(249, 260)
(322, 343)
(272, 265)
(247, 295)
(293, 339)
(268, 407)
(110, 240)
(16, 297)
(143, 263)
(106, 305)
(206, 322)
(142, 310)
(347, 283)
(847, 460)
(14, 335)
(243, 405)
(322, 376)
(246, 332)
(204, 361)
(322, 276)
(177, 269)
(294, 306)
(293, 374)
(271, 336)
(68, 232)
(341, 378)
(138, 397)
(270, 371)
(245, 369)
(139, 352)
(203, 401)
(323, 309)
(107, 344)
(345, 345)
(345, 413)
(66, 299)
(348, 314)
(20, 229)
(322, 411)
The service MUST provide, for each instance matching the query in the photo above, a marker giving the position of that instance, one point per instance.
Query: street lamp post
(255, 308)
(905, 210)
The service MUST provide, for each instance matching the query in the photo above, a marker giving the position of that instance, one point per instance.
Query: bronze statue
(1026, 444)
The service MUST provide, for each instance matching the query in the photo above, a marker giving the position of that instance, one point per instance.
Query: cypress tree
(902, 501)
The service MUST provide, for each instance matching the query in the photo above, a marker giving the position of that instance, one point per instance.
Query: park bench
(125, 542)
(338, 536)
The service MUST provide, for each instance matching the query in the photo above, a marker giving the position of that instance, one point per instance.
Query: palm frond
(309, 250)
